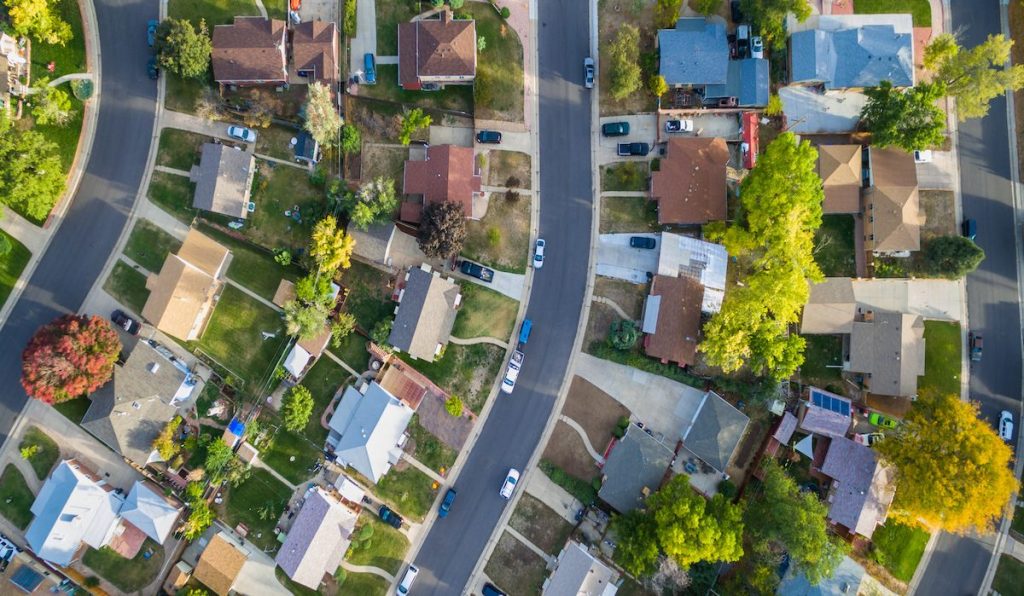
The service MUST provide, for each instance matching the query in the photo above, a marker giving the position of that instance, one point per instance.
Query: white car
(1006, 426)
(672, 126)
(242, 134)
(756, 48)
(923, 156)
(538, 254)
(511, 479)
(407, 579)
(512, 373)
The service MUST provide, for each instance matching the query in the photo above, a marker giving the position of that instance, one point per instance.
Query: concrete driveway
(509, 284)
(643, 128)
(726, 126)
(320, 10)
(937, 174)
(451, 135)
(511, 140)
(365, 41)
(616, 259)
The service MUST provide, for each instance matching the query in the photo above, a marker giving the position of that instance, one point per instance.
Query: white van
(407, 579)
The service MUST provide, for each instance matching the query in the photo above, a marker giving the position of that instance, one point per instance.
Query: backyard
(502, 238)
(409, 491)
(823, 360)
(498, 89)
(15, 497)
(385, 549)
(46, 451)
(515, 568)
(899, 548)
(148, 245)
(941, 358)
(292, 454)
(256, 503)
(127, 575)
(11, 266)
(173, 194)
(278, 189)
(215, 12)
(540, 524)
(453, 97)
(485, 313)
(466, 371)
(275, 141)
(628, 214)
(384, 161)
(252, 266)
(352, 351)
(505, 165)
(179, 149)
(369, 294)
(834, 249)
(128, 286)
(323, 381)
(920, 9)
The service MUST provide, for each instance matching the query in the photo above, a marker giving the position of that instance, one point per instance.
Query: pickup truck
(512, 372)
(634, 149)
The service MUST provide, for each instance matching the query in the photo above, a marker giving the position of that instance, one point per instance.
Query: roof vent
(153, 367)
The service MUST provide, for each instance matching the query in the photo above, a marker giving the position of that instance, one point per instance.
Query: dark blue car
(369, 70)
(151, 31)
(446, 504)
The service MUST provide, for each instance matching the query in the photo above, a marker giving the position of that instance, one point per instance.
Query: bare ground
(566, 450)
(940, 218)
(601, 317)
(515, 568)
(629, 297)
(596, 411)
(380, 160)
(540, 524)
(507, 164)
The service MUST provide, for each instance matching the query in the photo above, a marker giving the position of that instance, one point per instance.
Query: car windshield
(511, 480)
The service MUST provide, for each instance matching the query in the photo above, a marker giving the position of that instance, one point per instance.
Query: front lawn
(73, 409)
(173, 194)
(66, 59)
(429, 450)
(1017, 525)
(485, 313)
(899, 548)
(364, 584)
(47, 452)
(148, 245)
(625, 176)
(409, 491)
(323, 381)
(941, 358)
(180, 149)
(15, 497)
(215, 12)
(466, 371)
(920, 9)
(292, 454)
(1009, 576)
(369, 294)
(502, 238)
(252, 266)
(385, 549)
(452, 97)
(540, 524)
(834, 249)
(515, 568)
(182, 94)
(278, 188)
(11, 266)
(628, 214)
(243, 505)
(127, 286)
(498, 89)
(129, 575)
(506, 165)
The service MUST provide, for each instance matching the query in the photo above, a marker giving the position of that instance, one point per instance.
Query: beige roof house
(220, 564)
(425, 314)
(224, 180)
(888, 347)
(181, 296)
(830, 308)
(892, 209)
(840, 169)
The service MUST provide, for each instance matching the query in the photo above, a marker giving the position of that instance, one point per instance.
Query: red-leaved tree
(71, 357)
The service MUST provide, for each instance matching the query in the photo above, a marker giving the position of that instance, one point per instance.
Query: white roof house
(578, 572)
(150, 512)
(296, 360)
(706, 262)
(367, 430)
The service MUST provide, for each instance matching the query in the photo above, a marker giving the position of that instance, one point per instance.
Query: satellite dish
(293, 142)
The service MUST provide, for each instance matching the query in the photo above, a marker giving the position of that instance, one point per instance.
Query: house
(854, 53)
(367, 430)
(690, 185)
(694, 54)
(13, 66)
(436, 52)
(888, 348)
(307, 150)
(671, 319)
(315, 51)
(635, 468)
(425, 314)
(250, 51)
(746, 80)
(449, 173)
(826, 414)
(841, 172)
(129, 413)
(374, 243)
(183, 295)
(579, 572)
(150, 511)
(848, 578)
(220, 564)
(892, 209)
(862, 487)
(706, 262)
(73, 506)
(224, 180)
(317, 540)
(715, 431)
(830, 308)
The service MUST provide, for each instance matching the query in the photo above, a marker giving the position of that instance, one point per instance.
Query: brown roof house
(224, 180)
(251, 51)
(220, 564)
(425, 314)
(448, 174)
(888, 347)
(436, 52)
(317, 540)
(839, 167)
(830, 307)
(671, 319)
(182, 296)
(862, 487)
(892, 209)
(315, 51)
(690, 186)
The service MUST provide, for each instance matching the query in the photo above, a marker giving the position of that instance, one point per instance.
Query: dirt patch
(377, 121)
(1016, 10)
(629, 297)
(508, 164)
(502, 238)
(451, 431)
(515, 568)
(613, 14)
(566, 450)
(540, 524)
(601, 318)
(628, 214)
(596, 411)
(940, 219)
(386, 161)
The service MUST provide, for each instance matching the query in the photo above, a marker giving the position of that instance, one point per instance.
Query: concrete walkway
(365, 41)
(540, 486)
(24, 231)
(536, 549)
(261, 8)
(1014, 548)
(162, 219)
(256, 461)
(583, 435)
(254, 295)
(423, 468)
(341, 363)
(623, 194)
(174, 171)
(367, 569)
(478, 340)
(61, 80)
(611, 304)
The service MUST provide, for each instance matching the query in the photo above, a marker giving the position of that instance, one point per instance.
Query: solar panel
(830, 402)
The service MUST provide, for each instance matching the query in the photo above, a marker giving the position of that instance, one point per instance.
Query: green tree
(443, 230)
(341, 328)
(951, 257)
(940, 49)
(183, 49)
(706, 7)
(769, 16)
(381, 331)
(32, 177)
(415, 119)
(351, 140)
(330, 246)
(657, 85)
(774, 107)
(975, 76)
(164, 442)
(375, 202)
(218, 454)
(36, 18)
(666, 13)
(453, 405)
(198, 520)
(624, 63)
(322, 120)
(307, 320)
(774, 238)
(481, 43)
(908, 119)
(52, 104)
(194, 492)
(296, 408)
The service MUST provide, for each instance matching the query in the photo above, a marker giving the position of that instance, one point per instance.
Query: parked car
(735, 11)
(588, 72)
(491, 137)
(478, 271)
(369, 69)
(1006, 425)
(642, 242)
(152, 69)
(969, 229)
(743, 40)
(977, 345)
(242, 134)
(511, 479)
(615, 129)
(923, 156)
(125, 322)
(388, 516)
(756, 47)
(151, 31)
(639, 149)
(407, 579)
(868, 439)
(491, 590)
(678, 126)
(879, 420)
(515, 364)
(538, 254)
(727, 102)
(446, 504)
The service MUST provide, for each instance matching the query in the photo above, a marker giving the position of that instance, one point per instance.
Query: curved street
(514, 427)
(100, 207)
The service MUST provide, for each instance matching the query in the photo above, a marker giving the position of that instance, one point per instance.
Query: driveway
(726, 126)
(830, 112)
(509, 284)
(365, 41)
(643, 128)
(511, 140)
(937, 174)
(320, 10)
(616, 259)
(451, 135)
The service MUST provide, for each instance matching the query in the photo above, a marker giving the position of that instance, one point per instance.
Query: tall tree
(183, 49)
(706, 7)
(36, 18)
(374, 202)
(330, 246)
(218, 454)
(951, 257)
(442, 230)
(952, 469)
(322, 119)
(296, 408)
(666, 13)
(773, 240)
(199, 519)
(415, 119)
(52, 104)
(32, 177)
(975, 76)
(68, 358)
(351, 139)
(769, 16)
(908, 119)
(306, 320)
(624, 63)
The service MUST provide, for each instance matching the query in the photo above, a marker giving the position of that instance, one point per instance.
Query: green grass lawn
(243, 504)
(216, 12)
(287, 445)
(452, 97)
(15, 497)
(128, 286)
(47, 454)
(148, 245)
(628, 214)
(276, 9)
(627, 175)
(74, 409)
(899, 548)
(369, 297)
(385, 549)
(430, 451)
(66, 137)
(323, 381)
(130, 575)
(821, 355)
(179, 149)
(920, 9)
(498, 89)
(1009, 576)
(941, 358)
(364, 584)
(234, 338)
(389, 15)
(501, 239)
(275, 140)
(485, 313)
(834, 247)
(11, 266)
(252, 266)
(1017, 525)
(409, 491)
(68, 58)
(276, 189)
(173, 194)
(295, 588)
(182, 94)
(456, 371)
(353, 351)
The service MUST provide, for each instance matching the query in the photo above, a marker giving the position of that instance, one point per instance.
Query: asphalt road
(104, 198)
(513, 429)
(958, 564)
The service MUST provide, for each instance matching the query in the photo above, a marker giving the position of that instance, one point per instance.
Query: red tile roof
(250, 51)
(690, 187)
(315, 50)
(678, 325)
(439, 50)
(448, 174)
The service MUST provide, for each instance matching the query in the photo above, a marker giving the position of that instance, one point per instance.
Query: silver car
(242, 134)
(588, 72)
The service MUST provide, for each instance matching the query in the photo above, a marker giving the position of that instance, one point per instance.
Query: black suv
(492, 137)
(478, 271)
(642, 242)
(639, 149)
(388, 516)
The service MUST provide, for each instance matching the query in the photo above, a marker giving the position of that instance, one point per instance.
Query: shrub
(82, 89)
(91, 582)
(493, 236)
(505, 12)
(623, 335)
(513, 182)
(350, 18)
(453, 405)
(283, 257)
(584, 491)
(456, 4)
(511, 196)
(774, 107)
(29, 451)
(727, 488)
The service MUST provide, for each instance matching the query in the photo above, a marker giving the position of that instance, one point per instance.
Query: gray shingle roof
(578, 572)
(373, 243)
(861, 489)
(889, 348)
(715, 431)
(317, 539)
(747, 81)
(225, 179)
(366, 428)
(637, 461)
(696, 52)
(851, 58)
(425, 315)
